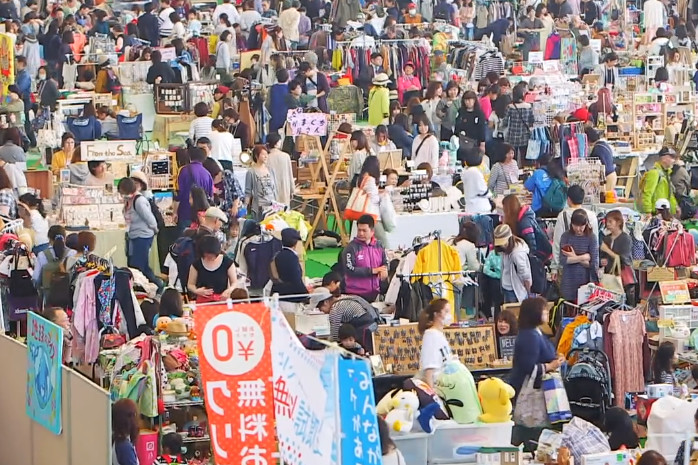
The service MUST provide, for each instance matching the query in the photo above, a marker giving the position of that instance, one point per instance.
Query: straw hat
(381, 79)
(177, 327)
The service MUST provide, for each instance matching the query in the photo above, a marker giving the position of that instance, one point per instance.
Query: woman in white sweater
(425, 148)
(475, 191)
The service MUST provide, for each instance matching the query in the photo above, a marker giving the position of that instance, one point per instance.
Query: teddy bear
(495, 397)
(405, 407)
(456, 386)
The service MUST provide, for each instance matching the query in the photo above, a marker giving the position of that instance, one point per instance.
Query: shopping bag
(531, 410)
(612, 281)
(573, 146)
(20, 306)
(583, 438)
(533, 149)
(556, 403)
(582, 145)
(359, 204)
(627, 275)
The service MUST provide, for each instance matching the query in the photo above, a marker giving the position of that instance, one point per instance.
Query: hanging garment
(438, 256)
(552, 47)
(627, 329)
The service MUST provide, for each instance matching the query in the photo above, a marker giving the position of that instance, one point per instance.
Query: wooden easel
(318, 171)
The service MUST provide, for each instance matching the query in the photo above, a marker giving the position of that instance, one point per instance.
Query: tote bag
(556, 402)
(612, 281)
(531, 410)
(359, 204)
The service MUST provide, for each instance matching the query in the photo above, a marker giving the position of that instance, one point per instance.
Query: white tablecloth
(410, 225)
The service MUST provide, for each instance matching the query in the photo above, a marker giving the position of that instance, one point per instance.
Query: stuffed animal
(430, 406)
(405, 407)
(495, 396)
(385, 405)
(161, 323)
(456, 387)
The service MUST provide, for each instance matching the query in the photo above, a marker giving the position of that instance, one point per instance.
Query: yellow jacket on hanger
(565, 344)
(428, 262)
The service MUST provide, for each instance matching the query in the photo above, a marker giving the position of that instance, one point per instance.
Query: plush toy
(495, 396)
(385, 405)
(456, 387)
(161, 323)
(430, 406)
(405, 407)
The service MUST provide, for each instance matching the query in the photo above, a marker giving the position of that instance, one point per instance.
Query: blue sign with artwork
(361, 443)
(45, 354)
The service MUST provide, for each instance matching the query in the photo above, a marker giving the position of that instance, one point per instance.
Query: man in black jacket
(287, 273)
(149, 26)
(159, 72)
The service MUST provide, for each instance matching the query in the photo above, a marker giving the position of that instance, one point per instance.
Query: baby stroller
(588, 385)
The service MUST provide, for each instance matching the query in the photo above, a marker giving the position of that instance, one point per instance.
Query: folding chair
(131, 128)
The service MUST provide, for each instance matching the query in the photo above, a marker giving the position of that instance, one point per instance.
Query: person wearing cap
(516, 268)
(412, 16)
(218, 95)
(656, 183)
(286, 271)
(408, 85)
(379, 101)
(346, 309)
(141, 228)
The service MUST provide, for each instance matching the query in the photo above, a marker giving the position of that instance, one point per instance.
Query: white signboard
(108, 150)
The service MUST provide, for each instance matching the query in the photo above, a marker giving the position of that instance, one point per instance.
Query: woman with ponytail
(31, 210)
(49, 260)
(435, 349)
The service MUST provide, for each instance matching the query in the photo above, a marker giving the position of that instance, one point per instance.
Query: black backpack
(183, 253)
(539, 279)
(443, 12)
(159, 219)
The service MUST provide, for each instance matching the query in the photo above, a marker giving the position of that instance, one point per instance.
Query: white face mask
(413, 12)
(448, 319)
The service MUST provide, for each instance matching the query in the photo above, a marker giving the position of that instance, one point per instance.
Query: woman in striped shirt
(201, 125)
(504, 173)
(579, 256)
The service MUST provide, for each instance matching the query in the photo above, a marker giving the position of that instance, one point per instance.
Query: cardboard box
(621, 457)
(643, 404)
(657, 391)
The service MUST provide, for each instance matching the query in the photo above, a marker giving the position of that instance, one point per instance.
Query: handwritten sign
(506, 347)
(535, 57)
(305, 398)
(103, 150)
(360, 440)
(168, 53)
(310, 124)
(44, 376)
(236, 372)
(674, 292)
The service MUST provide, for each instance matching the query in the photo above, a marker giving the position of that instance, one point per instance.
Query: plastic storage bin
(414, 447)
(448, 437)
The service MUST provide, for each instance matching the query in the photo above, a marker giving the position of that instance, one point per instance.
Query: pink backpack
(682, 252)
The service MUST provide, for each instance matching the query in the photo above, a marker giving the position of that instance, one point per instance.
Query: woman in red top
(408, 85)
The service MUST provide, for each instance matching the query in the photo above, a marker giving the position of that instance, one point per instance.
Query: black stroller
(588, 385)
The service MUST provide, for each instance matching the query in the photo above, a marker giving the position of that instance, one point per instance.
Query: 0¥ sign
(233, 343)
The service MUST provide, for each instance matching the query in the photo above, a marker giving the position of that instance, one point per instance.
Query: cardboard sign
(536, 57)
(168, 53)
(674, 292)
(235, 365)
(44, 374)
(310, 124)
(506, 347)
(103, 150)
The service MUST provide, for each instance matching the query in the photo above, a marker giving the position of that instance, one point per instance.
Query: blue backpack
(555, 197)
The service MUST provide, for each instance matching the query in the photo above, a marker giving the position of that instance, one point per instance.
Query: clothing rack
(377, 42)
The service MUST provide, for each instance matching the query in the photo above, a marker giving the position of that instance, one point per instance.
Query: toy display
(405, 408)
(495, 397)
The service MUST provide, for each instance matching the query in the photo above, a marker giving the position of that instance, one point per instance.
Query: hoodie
(516, 270)
(140, 221)
(656, 184)
(78, 173)
(358, 261)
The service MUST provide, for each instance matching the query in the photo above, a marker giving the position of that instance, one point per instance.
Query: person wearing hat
(516, 268)
(412, 17)
(408, 85)
(656, 183)
(218, 95)
(347, 309)
(286, 271)
(379, 101)
(141, 228)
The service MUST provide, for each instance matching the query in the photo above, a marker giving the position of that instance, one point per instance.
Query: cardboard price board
(674, 292)
(310, 124)
(400, 346)
(103, 150)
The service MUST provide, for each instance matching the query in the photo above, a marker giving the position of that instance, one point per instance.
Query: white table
(410, 225)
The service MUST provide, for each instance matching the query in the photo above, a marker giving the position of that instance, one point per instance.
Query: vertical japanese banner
(305, 398)
(44, 374)
(360, 441)
(235, 361)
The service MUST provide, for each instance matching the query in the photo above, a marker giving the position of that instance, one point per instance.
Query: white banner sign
(108, 150)
(305, 398)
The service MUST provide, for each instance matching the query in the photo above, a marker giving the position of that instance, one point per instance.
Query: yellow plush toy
(495, 397)
(405, 410)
